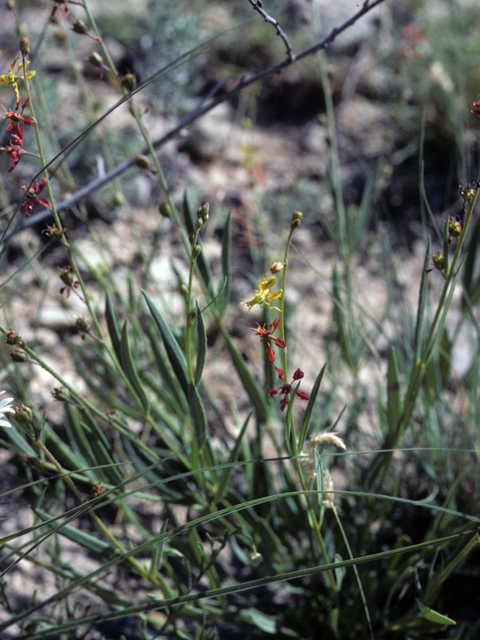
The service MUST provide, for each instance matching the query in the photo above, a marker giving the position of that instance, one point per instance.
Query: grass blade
(174, 353)
(394, 405)
(202, 346)
(131, 371)
(308, 412)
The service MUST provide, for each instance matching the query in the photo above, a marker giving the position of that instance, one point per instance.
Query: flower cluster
(31, 196)
(286, 388)
(14, 149)
(263, 295)
(14, 76)
(266, 336)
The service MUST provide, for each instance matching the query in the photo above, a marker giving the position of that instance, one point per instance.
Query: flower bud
(192, 316)
(32, 462)
(196, 251)
(276, 267)
(468, 192)
(54, 233)
(164, 210)
(15, 338)
(66, 276)
(438, 261)
(95, 59)
(296, 219)
(79, 27)
(202, 212)
(141, 161)
(256, 559)
(192, 238)
(60, 34)
(96, 490)
(198, 224)
(129, 82)
(82, 325)
(60, 394)
(24, 46)
(454, 227)
(24, 415)
(184, 291)
(18, 355)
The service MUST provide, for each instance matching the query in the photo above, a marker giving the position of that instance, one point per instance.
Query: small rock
(313, 139)
(209, 136)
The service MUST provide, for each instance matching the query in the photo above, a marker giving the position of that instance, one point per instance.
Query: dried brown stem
(258, 6)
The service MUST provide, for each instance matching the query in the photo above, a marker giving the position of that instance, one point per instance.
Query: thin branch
(213, 101)
(258, 6)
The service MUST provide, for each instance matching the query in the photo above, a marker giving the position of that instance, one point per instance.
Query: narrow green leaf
(438, 368)
(308, 412)
(18, 440)
(339, 320)
(202, 346)
(157, 554)
(266, 624)
(251, 387)
(112, 326)
(166, 375)
(131, 371)
(174, 353)
(226, 264)
(394, 407)
(198, 414)
(422, 301)
(80, 437)
(340, 572)
(101, 449)
(188, 213)
(434, 616)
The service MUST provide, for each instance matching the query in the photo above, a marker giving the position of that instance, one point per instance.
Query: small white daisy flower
(5, 408)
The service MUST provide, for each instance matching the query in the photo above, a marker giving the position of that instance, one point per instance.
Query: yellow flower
(262, 295)
(13, 77)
